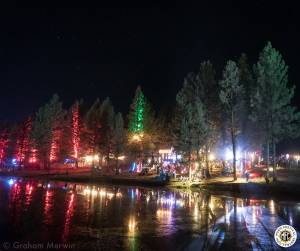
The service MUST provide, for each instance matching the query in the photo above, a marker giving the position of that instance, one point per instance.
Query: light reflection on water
(131, 218)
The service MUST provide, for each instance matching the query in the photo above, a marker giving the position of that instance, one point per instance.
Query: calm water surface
(82, 217)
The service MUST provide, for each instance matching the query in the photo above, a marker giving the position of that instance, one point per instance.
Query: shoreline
(250, 189)
(273, 190)
(96, 179)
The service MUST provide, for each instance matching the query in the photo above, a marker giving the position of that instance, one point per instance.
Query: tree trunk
(152, 158)
(93, 163)
(267, 159)
(107, 157)
(234, 158)
(274, 160)
(244, 162)
(233, 146)
(101, 160)
(117, 165)
(207, 173)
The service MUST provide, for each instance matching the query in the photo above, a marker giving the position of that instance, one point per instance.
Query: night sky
(89, 53)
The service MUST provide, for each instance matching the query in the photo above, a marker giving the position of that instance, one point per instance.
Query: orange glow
(56, 135)
(132, 225)
(33, 156)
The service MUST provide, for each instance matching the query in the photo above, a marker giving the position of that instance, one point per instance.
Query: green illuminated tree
(137, 112)
(141, 126)
(271, 103)
(231, 95)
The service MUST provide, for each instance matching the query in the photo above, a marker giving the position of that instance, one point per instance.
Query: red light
(75, 129)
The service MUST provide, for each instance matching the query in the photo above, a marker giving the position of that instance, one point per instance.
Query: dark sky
(89, 53)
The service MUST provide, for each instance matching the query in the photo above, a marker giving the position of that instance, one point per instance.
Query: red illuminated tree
(22, 143)
(55, 143)
(4, 140)
(75, 129)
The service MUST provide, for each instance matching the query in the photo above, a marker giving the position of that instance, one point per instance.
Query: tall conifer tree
(272, 101)
(231, 95)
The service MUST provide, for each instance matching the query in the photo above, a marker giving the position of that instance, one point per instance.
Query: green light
(137, 122)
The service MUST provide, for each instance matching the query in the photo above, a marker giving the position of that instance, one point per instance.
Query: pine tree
(151, 135)
(193, 128)
(272, 101)
(175, 126)
(46, 130)
(75, 129)
(118, 140)
(189, 92)
(200, 127)
(185, 142)
(4, 141)
(137, 113)
(92, 125)
(107, 116)
(208, 93)
(22, 141)
(141, 125)
(248, 133)
(231, 95)
(162, 129)
(202, 87)
(73, 142)
(249, 138)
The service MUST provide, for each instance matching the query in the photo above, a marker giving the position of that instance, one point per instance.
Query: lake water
(39, 215)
